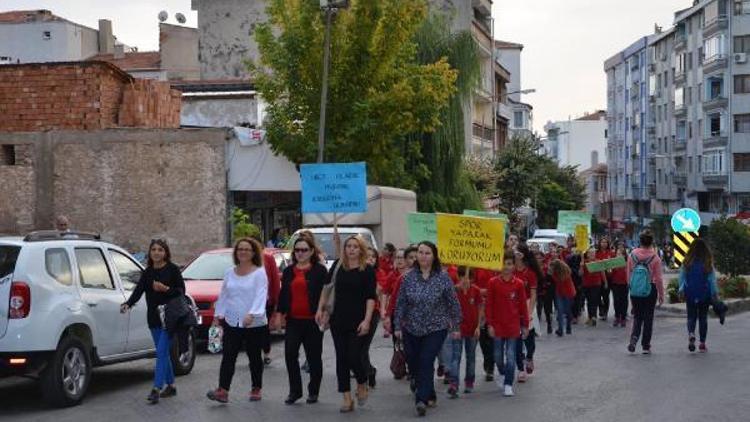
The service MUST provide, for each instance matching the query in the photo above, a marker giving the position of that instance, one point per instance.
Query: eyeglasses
(301, 250)
(244, 249)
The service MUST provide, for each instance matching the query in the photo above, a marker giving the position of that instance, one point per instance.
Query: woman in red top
(507, 320)
(472, 310)
(301, 285)
(592, 285)
(527, 269)
(486, 343)
(410, 256)
(604, 251)
(619, 286)
(565, 293)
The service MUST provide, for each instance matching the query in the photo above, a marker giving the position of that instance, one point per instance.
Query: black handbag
(398, 361)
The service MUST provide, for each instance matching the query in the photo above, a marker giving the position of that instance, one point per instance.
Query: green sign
(421, 227)
(606, 264)
(568, 220)
(487, 214)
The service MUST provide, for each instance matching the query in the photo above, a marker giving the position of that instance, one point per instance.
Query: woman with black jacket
(301, 285)
(161, 281)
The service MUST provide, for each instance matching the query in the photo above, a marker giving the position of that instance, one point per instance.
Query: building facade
(521, 114)
(577, 142)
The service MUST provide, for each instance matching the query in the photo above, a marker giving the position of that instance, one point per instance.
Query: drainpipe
(729, 162)
(494, 91)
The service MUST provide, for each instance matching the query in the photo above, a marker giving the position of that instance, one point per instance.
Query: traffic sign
(681, 242)
(686, 220)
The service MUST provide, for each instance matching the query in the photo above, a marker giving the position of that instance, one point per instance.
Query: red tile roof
(597, 115)
(23, 16)
(132, 61)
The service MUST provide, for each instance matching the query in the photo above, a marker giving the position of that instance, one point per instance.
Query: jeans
(643, 317)
(421, 352)
(234, 340)
(698, 312)
(592, 300)
(620, 294)
(305, 333)
(470, 344)
(487, 344)
(564, 313)
(505, 349)
(163, 373)
(349, 349)
(529, 345)
(368, 341)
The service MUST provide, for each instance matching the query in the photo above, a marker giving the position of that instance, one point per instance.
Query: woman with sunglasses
(301, 286)
(160, 281)
(241, 311)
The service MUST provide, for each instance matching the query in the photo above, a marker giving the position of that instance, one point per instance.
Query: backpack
(696, 283)
(640, 277)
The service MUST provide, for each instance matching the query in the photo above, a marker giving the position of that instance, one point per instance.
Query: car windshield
(8, 257)
(208, 267)
(325, 242)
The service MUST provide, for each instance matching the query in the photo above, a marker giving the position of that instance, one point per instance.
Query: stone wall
(130, 185)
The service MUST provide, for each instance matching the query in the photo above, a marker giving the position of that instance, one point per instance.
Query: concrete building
(580, 142)
(38, 36)
(595, 180)
(522, 118)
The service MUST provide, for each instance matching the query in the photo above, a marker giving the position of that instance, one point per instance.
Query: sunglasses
(301, 250)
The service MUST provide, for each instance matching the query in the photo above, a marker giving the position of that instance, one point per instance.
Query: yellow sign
(472, 241)
(681, 242)
(582, 238)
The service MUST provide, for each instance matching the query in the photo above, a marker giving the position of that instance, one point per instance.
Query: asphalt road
(588, 376)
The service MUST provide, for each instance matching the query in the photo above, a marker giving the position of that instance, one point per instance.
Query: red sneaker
(220, 395)
(255, 394)
(702, 348)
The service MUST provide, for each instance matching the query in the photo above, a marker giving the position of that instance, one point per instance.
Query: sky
(565, 41)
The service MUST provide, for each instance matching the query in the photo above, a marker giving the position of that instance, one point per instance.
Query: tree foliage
(519, 176)
(241, 225)
(378, 91)
(730, 242)
(551, 198)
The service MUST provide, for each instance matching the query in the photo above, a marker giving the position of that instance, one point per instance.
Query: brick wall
(130, 185)
(82, 95)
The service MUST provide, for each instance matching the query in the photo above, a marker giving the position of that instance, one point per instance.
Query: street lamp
(330, 7)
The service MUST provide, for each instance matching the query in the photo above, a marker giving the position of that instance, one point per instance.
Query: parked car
(544, 244)
(560, 238)
(324, 238)
(204, 276)
(60, 297)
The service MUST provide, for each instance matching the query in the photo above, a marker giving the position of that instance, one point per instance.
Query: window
(690, 164)
(666, 79)
(700, 163)
(93, 270)
(46, 35)
(690, 130)
(713, 48)
(742, 162)
(741, 7)
(742, 84)
(742, 123)
(713, 162)
(715, 88)
(690, 61)
(689, 96)
(129, 271)
(8, 155)
(680, 64)
(743, 202)
(742, 44)
(518, 119)
(681, 131)
(57, 263)
(679, 98)
(715, 124)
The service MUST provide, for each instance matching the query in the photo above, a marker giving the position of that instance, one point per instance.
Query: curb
(735, 306)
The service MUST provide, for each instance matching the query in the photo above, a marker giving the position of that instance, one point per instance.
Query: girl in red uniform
(592, 284)
(472, 310)
(619, 286)
(565, 293)
(604, 251)
(528, 271)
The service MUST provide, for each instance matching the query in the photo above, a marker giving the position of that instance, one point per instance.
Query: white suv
(60, 297)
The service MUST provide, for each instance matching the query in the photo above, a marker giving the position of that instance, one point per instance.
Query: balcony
(715, 63)
(680, 42)
(680, 179)
(480, 132)
(715, 25)
(504, 111)
(716, 139)
(680, 145)
(680, 77)
(719, 101)
(680, 110)
(715, 180)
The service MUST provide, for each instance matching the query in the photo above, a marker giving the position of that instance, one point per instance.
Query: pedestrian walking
(545, 292)
(241, 312)
(592, 283)
(410, 258)
(161, 281)
(574, 263)
(508, 321)
(301, 286)
(698, 287)
(482, 279)
(427, 309)
(646, 288)
(382, 278)
(274, 286)
(527, 270)
(565, 293)
(472, 313)
(604, 251)
(354, 299)
(619, 287)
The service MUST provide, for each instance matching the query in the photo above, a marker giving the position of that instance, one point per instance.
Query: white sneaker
(508, 391)
(522, 377)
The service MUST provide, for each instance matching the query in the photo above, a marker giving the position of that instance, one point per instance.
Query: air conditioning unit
(740, 57)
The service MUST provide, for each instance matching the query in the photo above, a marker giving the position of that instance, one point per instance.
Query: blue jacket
(711, 279)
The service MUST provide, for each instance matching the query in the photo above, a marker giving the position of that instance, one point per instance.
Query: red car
(205, 274)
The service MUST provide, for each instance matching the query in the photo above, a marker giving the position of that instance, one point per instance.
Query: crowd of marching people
(434, 313)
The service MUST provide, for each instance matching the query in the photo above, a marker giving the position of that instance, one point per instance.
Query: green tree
(241, 225)
(519, 175)
(551, 198)
(444, 184)
(730, 242)
(378, 92)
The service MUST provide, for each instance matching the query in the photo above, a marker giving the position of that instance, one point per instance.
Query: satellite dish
(163, 15)
(180, 18)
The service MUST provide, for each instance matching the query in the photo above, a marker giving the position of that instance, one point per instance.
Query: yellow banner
(582, 238)
(471, 241)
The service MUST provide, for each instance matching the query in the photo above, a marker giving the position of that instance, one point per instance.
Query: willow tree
(444, 184)
(378, 91)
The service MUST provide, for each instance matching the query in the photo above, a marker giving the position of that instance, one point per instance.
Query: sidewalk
(678, 309)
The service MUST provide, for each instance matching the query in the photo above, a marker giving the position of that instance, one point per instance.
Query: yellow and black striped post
(681, 242)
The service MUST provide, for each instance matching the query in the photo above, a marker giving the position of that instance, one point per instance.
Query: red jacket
(505, 307)
(452, 271)
(564, 288)
(591, 279)
(619, 276)
(470, 301)
(385, 264)
(274, 280)
(395, 286)
(529, 279)
(602, 255)
(482, 278)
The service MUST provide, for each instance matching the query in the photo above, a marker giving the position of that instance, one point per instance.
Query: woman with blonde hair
(353, 287)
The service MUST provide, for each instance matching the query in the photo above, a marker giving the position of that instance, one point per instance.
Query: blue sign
(686, 220)
(334, 187)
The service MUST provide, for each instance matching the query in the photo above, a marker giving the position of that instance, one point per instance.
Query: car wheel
(183, 363)
(66, 378)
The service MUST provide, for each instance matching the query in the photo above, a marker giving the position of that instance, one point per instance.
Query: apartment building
(577, 142)
(522, 117)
